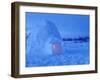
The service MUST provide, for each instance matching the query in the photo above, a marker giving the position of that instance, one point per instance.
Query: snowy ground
(73, 54)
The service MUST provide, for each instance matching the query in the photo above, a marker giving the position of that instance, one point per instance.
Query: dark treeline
(79, 39)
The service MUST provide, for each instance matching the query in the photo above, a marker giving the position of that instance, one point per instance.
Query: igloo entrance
(56, 48)
(53, 46)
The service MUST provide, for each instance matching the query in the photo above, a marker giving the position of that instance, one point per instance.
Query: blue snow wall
(44, 39)
(47, 36)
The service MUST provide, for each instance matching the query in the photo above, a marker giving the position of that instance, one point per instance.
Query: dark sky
(69, 25)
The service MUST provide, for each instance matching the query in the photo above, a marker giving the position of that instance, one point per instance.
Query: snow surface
(74, 54)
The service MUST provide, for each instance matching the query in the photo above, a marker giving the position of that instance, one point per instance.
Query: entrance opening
(56, 48)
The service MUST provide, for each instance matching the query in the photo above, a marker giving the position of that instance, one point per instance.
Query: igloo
(46, 40)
